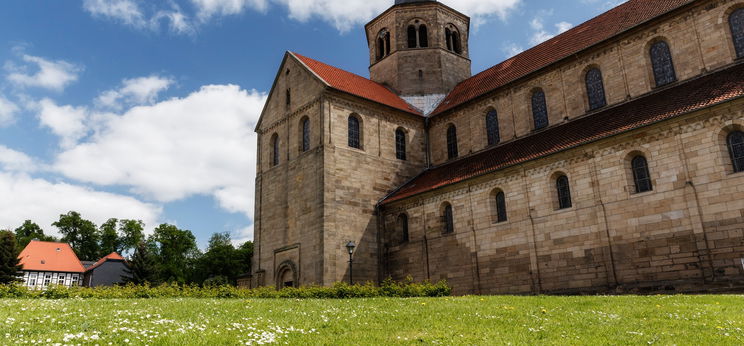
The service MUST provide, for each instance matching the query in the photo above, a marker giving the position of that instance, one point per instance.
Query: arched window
(380, 48)
(305, 135)
(400, 144)
(539, 109)
(452, 142)
(355, 133)
(387, 43)
(736, 20)
(412, 36)
(564, 192)
(452, 37)
(275, 150)
(383, 44)
(492, 127)
(403, 227)
(736, 150)
(595, 89)
(448, 219)
(641, 174)
(423, 34)
(501, 207)
(661, 60)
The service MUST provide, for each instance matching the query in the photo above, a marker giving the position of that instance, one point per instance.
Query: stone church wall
(699, 40)
(685, 234)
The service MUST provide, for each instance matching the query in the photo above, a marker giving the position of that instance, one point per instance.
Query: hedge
(339, 290)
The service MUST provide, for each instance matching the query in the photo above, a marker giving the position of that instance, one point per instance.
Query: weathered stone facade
(685, 234)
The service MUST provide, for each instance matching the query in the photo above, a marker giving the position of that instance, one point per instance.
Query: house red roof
(51, 257)
(112, 256)
(594, 31)
(683, 98)
(356, 85)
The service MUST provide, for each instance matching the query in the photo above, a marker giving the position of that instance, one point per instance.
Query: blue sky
(145, 109)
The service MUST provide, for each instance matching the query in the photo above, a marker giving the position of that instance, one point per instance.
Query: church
(609, 158)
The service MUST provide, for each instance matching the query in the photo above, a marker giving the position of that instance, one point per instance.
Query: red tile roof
(112, 256)
(594, 31)
(356, 85)
(50, 257)
(696, 94)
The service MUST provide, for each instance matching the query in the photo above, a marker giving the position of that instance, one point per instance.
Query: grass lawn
(665, 320)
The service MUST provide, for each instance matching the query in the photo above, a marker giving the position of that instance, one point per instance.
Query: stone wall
(699, 39)
(686, 234)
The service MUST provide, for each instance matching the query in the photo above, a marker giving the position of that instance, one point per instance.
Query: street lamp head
(350, 246)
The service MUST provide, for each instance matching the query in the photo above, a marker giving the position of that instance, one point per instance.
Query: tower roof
(398, 2)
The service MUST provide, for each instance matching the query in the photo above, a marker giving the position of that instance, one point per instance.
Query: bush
(389, 288)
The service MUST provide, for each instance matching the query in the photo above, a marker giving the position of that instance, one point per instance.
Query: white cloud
(343, 14)
(202, 144)
(68, 122)
(16, 161)
(43, 201)
(8, 111)
(135, 91)
(52, 75)
(242, 235)
(209, 8)
(541, 35)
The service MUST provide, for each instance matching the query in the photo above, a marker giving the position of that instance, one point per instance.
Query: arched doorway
(286, 275)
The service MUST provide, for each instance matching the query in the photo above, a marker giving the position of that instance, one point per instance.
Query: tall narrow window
(737, 31)
(456, 42)
(400, 144)
(501, 207)
(448, 219)
(423, 33)
(289, 97)
(354, 133)
(305, 135)
(387, 43)
(275, 150)
(539, 109)
(403, 227)
(452, 38)
(595, 89)
(736, 150)
(661, 60)
(641, 174)
(448, 38)
(452, 142)
(380, 48)
(492, 127)
(564, 192)
(411, 36)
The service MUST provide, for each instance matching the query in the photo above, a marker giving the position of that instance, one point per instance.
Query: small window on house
(492, 127)
(275, 150)
(661, 61)
(539, 109)
(736, 21)
(595, 89)
(501, 207)
(403, 227)
(354, 133)
(423, 35)
(448, 219)
(305, 135)
(736, 150)
(452, 142)
(412, 42)
(641, 174)
(400, 144)
(564, 192)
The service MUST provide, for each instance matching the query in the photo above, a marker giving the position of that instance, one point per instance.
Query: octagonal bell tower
(419, 48)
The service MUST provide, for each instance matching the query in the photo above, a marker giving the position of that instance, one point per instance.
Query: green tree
(132, 234)
(9, 262)
(176, 252)
(81, 234)
(142, 267)
(245, 253)
(221, 262)
(110, 241)
(30, 231)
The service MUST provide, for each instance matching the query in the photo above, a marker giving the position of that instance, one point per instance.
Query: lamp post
(350, 246)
